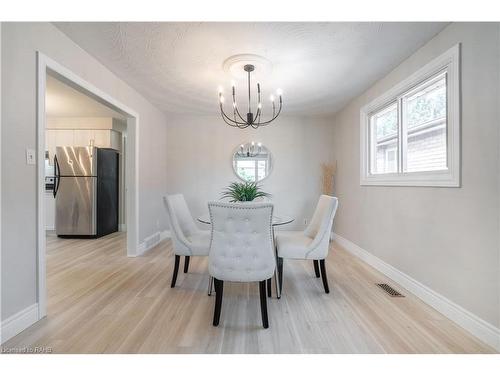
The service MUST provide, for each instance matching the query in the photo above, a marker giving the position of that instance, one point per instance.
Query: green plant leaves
(243, 192)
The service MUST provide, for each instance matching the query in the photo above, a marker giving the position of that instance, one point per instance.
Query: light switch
(30, 156)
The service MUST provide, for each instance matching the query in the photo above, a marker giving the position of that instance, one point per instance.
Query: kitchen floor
(100, 301)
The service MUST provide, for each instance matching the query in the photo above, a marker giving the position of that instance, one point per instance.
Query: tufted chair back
(181, 223)
(241, 247)
(320, 227)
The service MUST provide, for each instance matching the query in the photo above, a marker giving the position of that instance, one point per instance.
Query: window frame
(448, 62)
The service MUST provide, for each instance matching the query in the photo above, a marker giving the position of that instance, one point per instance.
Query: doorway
(119, 131)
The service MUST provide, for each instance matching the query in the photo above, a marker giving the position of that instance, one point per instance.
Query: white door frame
(132, 162)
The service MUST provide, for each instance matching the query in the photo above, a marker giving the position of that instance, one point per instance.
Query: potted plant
(243, 192)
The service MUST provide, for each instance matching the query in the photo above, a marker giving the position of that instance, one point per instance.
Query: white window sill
(429, 179)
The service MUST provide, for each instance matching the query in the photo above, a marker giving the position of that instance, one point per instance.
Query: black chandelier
(252, 120)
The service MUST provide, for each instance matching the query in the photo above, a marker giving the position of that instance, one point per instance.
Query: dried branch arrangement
(328, 173)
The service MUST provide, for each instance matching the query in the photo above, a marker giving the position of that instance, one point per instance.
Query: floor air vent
(390, 290)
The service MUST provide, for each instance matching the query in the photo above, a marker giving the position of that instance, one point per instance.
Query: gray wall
(200, 153)
(446, 238)
(20, 41)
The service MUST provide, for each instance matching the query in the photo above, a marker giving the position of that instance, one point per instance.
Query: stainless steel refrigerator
(86, 191)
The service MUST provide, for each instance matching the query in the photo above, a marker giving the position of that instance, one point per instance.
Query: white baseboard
(164, 235)
(19, 322)
(483, 330)
(122, 227)
(152, 241)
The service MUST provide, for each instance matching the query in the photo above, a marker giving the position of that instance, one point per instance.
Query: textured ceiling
(319, 66)
(65, 101)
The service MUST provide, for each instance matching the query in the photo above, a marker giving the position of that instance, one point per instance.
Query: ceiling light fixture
(237, 120)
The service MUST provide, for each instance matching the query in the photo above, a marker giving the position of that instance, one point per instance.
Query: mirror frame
(271, 159)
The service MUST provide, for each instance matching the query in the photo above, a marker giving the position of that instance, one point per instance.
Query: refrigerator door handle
(56, 176)
(94, 206)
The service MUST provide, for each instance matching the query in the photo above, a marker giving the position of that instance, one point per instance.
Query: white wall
(20, 41)
(199, 161)
(445, 238)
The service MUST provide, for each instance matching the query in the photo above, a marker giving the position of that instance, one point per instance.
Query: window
(384, 134)
(424, 120)
(411, 136)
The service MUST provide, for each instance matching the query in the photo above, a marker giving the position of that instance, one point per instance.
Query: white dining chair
(241, 249)
(311, 244)
(188, 240)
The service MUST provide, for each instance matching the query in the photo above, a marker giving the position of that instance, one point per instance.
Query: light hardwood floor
(100, 301)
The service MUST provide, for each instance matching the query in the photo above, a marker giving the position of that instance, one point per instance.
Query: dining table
(277, 221)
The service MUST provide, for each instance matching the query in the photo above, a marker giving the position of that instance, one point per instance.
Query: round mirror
(252, 161)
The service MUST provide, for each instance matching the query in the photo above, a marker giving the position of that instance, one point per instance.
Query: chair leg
(263, 303)
(176, 269)
(210, 285)
(316, 267)
(219, 289)
(186, 264)
(269, 288)
(277, 284)
(280, 273)
(323, 275)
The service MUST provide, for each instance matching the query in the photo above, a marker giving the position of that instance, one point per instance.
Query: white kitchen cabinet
(82, 137)
(102, 138)
(106, 138)
(54, 138)
(115, 141)
(64, 137)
